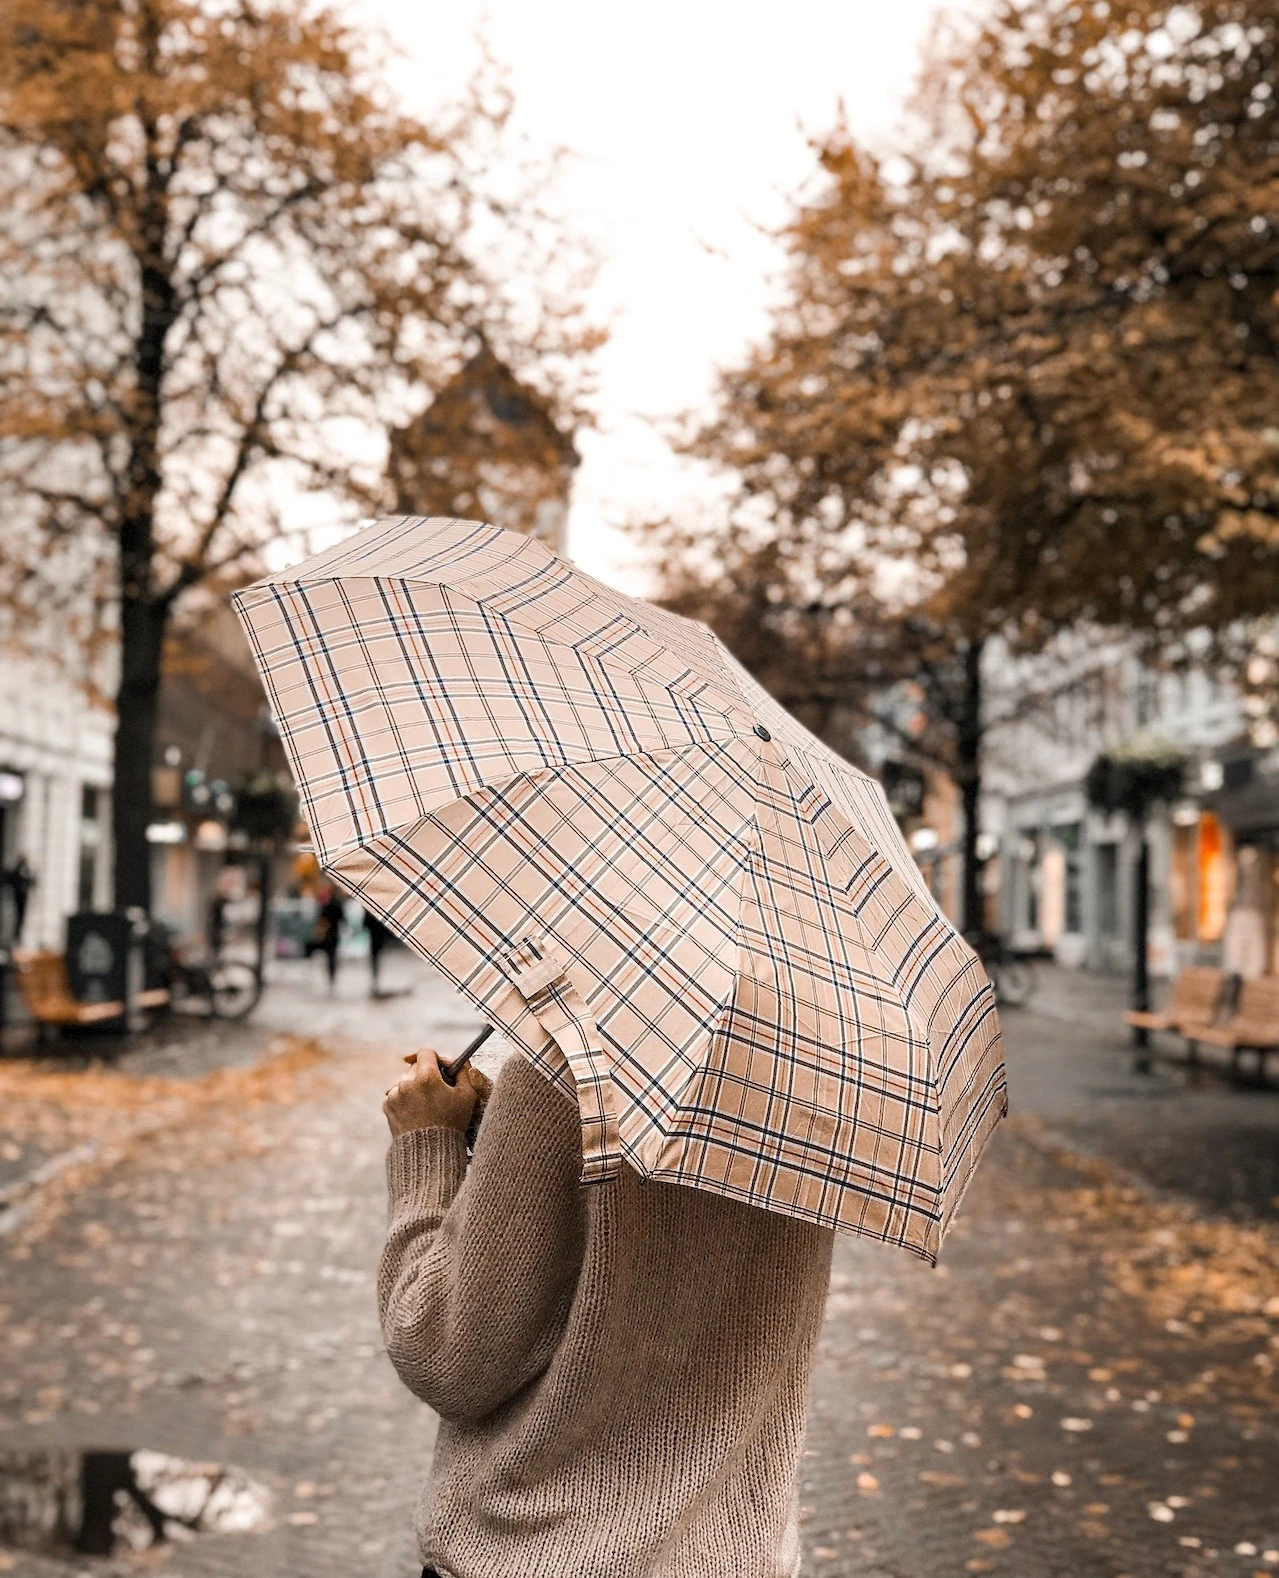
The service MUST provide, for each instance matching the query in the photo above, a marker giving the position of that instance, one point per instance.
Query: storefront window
(1181, 879)
(1052, 896)
(1107, 857)
(1273, 910)
(90, 844)
(1072, 876)
(1215, 874)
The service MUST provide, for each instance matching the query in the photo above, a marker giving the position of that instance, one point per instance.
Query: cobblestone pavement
(1085, 1386)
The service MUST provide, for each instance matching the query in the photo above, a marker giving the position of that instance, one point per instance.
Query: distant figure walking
(21, 880)
(328, 929)
(379, 936)
(1243, 942)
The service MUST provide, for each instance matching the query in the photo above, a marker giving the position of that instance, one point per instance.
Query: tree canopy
(231, 263)
(1022, 377)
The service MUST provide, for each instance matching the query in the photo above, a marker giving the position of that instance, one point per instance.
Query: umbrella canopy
(692, 916)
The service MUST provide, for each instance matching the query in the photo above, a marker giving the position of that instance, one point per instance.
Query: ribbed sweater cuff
(425, 1168)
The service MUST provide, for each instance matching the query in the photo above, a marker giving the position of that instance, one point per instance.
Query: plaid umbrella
(678, 904)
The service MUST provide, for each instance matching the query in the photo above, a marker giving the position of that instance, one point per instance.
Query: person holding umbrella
(739, 1023)
(620, 1372)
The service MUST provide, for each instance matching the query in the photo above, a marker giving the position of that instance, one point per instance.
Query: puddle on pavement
(98, 1502)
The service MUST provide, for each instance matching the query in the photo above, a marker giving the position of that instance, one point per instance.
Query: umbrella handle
(451, 1068)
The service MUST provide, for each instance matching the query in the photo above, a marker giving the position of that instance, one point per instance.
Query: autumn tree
(231, 263)
(904, 480)
(1127, 155)
(1026, 384)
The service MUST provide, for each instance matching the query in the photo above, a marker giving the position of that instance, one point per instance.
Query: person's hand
(424, 1100)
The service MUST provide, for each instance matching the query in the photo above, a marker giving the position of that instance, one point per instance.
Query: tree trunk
(1140, 960)
(968, 771)
(142, 625)
(144, 611)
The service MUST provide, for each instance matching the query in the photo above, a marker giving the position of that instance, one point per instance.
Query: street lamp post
(1135, 779)
(265, 811)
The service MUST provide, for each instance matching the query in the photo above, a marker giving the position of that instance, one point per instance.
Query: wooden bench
(42, 977)
(1195, 1000)
(1253, 1027)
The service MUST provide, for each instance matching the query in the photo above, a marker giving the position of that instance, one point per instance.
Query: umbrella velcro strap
(561, 1011)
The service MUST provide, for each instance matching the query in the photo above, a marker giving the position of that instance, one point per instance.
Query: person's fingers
(410, 1057)
(426, 1071)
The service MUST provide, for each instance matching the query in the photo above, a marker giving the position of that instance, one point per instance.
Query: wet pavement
(1085, 1386)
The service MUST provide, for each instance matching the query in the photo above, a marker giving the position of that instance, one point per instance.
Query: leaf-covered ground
(1086, 1385)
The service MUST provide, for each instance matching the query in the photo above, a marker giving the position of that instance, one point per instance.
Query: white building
(1064, 871)
(55, 775)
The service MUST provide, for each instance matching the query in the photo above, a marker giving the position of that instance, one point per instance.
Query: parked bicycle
(218, 987)
(1011, 973)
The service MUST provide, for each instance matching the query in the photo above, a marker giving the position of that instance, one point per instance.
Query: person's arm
(480, 1265)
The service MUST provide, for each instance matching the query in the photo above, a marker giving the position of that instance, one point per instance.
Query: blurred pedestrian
(379, 936)
(21, 881)
(328, 928)
(1243, 942)
(620, 1370)
(217, 923)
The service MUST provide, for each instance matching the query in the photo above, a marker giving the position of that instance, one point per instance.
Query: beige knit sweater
(620, 1370)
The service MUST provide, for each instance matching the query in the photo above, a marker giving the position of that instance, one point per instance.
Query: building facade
(1061, 874)
(57, 739)
(55, 807)
(486, 448)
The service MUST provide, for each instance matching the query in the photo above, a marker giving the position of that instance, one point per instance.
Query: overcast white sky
(688, 119)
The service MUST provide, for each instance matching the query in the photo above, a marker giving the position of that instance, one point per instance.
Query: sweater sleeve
(480, 1265)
